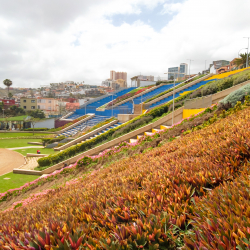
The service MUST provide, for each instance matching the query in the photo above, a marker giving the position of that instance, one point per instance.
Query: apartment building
(49, 106)
(118, 75)
(28, 103)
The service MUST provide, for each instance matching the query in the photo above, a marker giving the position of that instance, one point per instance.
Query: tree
(33, 121)
(8, 83)
(10, 95)
(242, 60)
(37, 114)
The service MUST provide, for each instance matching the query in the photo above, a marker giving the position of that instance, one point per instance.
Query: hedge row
(36, 129)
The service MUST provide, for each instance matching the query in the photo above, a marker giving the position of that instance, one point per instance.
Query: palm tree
(242, 60)
(8, 83)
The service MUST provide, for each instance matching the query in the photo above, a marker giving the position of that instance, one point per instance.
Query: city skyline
(40, 44)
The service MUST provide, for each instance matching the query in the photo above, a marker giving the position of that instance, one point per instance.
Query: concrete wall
(48, 123)
(126, 117)
(59, 122)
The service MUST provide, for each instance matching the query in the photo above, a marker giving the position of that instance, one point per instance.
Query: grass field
(33, 150)
(16, 118)
(9, 143)
(10, 135)
(15, 181)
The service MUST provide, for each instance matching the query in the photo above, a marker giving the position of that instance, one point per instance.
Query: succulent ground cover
(145, 201)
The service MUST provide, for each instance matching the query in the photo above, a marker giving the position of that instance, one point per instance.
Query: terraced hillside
(152, 200)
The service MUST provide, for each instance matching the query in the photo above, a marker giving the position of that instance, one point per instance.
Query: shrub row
(36, 129)
(51, 140)
(137, 202)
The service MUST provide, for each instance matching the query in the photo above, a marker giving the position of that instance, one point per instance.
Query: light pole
(189, 65)
(112, 104)
(3, 113)
(205, 66)
(247, 50)
(173, 93)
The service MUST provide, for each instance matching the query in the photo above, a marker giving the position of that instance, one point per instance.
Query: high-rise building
(112, 75)
(121, 75)
(118, 75)
(182, 71)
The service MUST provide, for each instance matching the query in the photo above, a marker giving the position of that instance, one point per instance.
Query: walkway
(31, 163)
(26, 147)
(9, 160)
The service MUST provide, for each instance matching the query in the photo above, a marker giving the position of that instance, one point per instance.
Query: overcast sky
(80, 40)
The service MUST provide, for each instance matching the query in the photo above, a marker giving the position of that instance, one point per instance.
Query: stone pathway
(26, 147)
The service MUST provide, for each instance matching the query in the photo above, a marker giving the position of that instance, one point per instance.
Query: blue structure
(89, 123)
(177, 93)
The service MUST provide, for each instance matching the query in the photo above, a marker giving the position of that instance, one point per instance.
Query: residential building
(112, 75)
(223, 69)
(220, 63)
(8, 102)
(118, 75)
(49, 106)
(107, 82)
(233, 65)
(121, 83)
(28, 103)
(121, 75)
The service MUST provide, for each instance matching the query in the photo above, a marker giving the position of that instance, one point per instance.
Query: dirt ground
(9, 160)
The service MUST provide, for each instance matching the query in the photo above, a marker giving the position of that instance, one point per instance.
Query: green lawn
(15, 181)
(13, 143)
(9, 134)
(33, 150)
(16, 118)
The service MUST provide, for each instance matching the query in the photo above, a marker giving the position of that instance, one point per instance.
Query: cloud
(54, 41)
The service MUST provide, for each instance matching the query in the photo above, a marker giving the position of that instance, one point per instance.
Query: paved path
(26, 147)
(9, 160)
(31, 163)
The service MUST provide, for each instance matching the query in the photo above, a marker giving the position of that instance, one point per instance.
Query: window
(33, 101)
(32, 107)
(41, 100)
(24, 107)
(24, 100)
(49, 101)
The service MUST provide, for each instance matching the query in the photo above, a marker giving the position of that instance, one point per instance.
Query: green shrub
(51, 140)
(238, 95)
(133, 125)
(36, 129)
(85, 161)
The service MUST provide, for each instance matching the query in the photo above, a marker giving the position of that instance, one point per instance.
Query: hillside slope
(135, 202)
